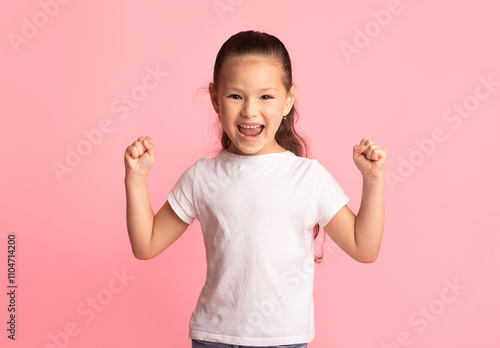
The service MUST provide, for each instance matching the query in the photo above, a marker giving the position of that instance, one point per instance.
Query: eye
(266, 97)
(234, 96)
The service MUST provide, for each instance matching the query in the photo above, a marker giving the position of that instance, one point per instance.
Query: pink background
(65, 67)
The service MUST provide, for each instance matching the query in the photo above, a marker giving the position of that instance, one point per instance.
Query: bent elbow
(367, 258)
(142, 255)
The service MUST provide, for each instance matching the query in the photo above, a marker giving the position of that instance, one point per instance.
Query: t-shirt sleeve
(330, 197)
(181, 197)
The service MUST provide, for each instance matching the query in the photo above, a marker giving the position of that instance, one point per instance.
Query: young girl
(260, 203)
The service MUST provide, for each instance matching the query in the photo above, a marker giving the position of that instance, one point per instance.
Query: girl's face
(251, 94)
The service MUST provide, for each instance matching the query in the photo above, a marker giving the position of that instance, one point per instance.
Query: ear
(290, 99)
(213, 97)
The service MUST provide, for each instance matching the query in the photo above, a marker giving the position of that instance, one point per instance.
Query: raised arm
(361, 236)
(149, 234)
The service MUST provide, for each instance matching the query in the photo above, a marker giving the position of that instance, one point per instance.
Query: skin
(240, 98)
(361, 236)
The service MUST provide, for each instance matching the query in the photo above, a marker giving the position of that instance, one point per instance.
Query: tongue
(250, 131)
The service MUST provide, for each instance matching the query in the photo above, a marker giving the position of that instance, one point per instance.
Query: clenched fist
(370, 159)
(140, 156)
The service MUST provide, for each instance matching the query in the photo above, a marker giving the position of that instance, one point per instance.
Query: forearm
(369, 224)
(140, 216)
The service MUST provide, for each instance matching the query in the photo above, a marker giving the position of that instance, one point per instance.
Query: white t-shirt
(257, 214)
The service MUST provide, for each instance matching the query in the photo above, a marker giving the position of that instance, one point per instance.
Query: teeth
(250, 126)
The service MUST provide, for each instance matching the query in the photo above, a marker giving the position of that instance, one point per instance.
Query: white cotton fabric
(257, 215)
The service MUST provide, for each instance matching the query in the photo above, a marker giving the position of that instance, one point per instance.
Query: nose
(250, 108)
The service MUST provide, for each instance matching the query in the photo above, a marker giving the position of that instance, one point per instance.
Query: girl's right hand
(140, 156)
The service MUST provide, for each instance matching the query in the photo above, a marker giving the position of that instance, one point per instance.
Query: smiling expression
(251, 94)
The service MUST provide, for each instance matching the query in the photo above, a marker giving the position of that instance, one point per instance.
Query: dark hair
(255, 42)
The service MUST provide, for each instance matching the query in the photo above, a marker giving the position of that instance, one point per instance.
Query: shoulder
(304, 162)
(203, 165)
(192, 166)
(205, 160)
(315, 170)
(301, 168)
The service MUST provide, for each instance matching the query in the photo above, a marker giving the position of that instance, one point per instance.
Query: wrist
(373, 181)
(132, 178)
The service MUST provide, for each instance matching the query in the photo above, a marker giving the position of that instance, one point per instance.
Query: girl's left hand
(370, 159)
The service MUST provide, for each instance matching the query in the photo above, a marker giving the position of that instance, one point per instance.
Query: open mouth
(250, 131)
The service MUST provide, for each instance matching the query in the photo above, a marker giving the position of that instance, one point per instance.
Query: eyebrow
(260, 90)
